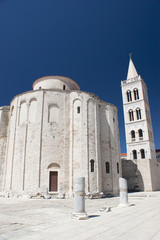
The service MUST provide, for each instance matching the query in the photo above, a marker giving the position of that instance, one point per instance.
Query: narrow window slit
(78, 109)
(92, 165)
(107, 167)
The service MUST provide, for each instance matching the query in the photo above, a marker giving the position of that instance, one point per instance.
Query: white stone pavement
(30, 219)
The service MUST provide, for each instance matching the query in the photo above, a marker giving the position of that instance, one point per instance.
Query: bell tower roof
(132, 72)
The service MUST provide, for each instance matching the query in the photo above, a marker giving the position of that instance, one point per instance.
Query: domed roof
(55, 82)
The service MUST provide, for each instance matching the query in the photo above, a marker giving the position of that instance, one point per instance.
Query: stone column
(123, 193)
(79, 199)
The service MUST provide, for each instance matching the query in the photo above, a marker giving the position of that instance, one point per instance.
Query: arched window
(133, 136)
(117, 167)
(134, 154)
(140, 133)
(52, 113)
(78, 109)
(64, 87)
(142, 153)
(23, 113)
(131, 115)
(129, 96)
(32, 111)
(92, 165)
(107, 167)
(136, 94)
(138, 112)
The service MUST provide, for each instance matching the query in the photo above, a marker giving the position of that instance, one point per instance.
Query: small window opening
(133, 136)
(140, 132)
(92, 165)
(78, 109)
(131, 115)
(117, 167)
(129, 96)
(142, 153)
(134, 154)
(107, 167)
(138, 112)
(136, 94)
(64, 87)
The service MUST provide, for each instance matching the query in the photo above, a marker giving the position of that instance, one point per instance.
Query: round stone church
(55, 133)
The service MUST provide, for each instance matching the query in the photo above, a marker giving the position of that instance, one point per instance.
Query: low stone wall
(142, 174)
(129, 172)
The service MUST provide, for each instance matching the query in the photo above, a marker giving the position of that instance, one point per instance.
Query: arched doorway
(53, 177)
(53, 181)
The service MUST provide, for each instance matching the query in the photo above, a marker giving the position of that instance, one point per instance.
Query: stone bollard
(79, 199)
(123, 193)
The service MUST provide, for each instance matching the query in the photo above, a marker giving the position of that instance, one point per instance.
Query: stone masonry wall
(129, 172)
(62, 131)
(4, 120)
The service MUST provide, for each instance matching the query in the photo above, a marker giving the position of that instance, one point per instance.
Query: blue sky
(86, 40)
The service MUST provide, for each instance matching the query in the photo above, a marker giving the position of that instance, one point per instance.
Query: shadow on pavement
(93, 216)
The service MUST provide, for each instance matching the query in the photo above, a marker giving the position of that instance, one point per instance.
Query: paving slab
(32, 219)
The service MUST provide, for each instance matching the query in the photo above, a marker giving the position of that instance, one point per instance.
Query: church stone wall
(109, 142)
(24, 143)
(4, 120)
(55, 140)
(67, 133)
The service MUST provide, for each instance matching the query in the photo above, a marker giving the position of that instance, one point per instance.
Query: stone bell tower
(138, 127)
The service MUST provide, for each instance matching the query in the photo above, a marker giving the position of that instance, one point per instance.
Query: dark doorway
(53, 181)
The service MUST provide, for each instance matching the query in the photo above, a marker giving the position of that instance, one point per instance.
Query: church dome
(55, 82)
